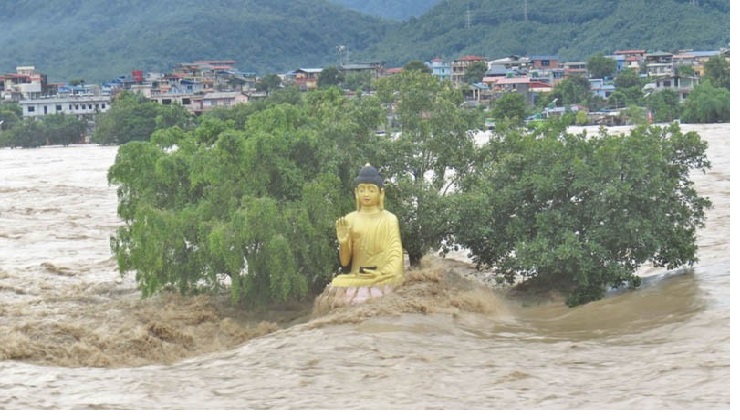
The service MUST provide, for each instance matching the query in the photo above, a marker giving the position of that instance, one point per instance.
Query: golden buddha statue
(370, 249)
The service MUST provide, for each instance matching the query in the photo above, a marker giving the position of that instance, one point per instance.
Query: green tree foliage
(717, 70)
(665, 105)
(475, 72)
(623, 97)
(266, 36)
(417, 65)
(63, 129)
(628, 78)
(132, 117)
(425, 163)
(250, 208)
(389, 9)
(355, 81)
(707, 104)
(262, 36)
(54, 129)
(329, 76)
(685, 70)
(26, 133)
(572, 90)
(269, 83)
(572, 30)
(510, 106)
(583, 213)
(10, 115)
(635, 115)
(600, 67)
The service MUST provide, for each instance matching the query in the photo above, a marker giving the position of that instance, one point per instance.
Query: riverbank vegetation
(245, 199)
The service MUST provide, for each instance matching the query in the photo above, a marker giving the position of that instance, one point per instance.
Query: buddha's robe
(376, 243)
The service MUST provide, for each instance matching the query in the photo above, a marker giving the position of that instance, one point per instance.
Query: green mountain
(389, 9)
(97, 40)
(570, 29)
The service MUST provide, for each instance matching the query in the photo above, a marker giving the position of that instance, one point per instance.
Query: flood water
(75, 335)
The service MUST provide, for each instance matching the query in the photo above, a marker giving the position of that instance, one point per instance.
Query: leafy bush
(583, 213)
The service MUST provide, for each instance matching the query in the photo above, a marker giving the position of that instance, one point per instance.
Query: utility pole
(343, 53)
(526, 17)
(467, 17)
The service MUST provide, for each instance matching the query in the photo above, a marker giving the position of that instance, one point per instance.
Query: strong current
(74, 334)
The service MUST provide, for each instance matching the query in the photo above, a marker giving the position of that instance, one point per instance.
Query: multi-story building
(659, 64)
(25, 83)
(74, 105)
(440, 68)
(633, 59)
(575, 68)
(544, 62)
(306, 78)
(460, 65)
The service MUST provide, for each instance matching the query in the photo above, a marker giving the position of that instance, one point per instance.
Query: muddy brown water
(75, 335)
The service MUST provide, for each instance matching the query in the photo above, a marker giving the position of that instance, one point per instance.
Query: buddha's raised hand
(342, 230)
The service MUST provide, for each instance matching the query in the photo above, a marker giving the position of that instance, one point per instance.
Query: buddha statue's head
(369, 190)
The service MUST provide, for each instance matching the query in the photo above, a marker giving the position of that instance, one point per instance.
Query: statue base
(339, 296)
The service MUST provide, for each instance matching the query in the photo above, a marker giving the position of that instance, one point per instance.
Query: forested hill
(390, 9)
(97, 40)
(571, 29)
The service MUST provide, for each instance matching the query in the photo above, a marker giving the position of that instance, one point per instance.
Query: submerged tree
(707, 104)
(133, 117)
(250, 208)
(247, 200)
(432, 152)
(583, 213)
(717, 70)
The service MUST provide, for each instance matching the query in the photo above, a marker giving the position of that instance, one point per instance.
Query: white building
(74, 105)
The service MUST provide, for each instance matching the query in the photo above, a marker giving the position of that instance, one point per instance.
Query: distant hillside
(97, 40)
(389, 9)
(571, 29)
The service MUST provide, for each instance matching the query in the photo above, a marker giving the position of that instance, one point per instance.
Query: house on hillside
(480, 92)
(681, 84)
(601, 89)
(218, 99)
(460, 65)
(376, 70)
(514, 62)
(25, 83)
(620, 59)
(633, 59)
(498, 70)
(393, 70)
(659, 64)
(440, 68)
(184, 99)
(575, 68)
(306, 78)
(544, 62)
(695, 59)
(512, 84)
(632, 55)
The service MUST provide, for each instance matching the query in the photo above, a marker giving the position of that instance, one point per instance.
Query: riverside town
(203, 85)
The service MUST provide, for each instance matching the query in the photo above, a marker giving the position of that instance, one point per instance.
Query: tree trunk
(415, 259)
